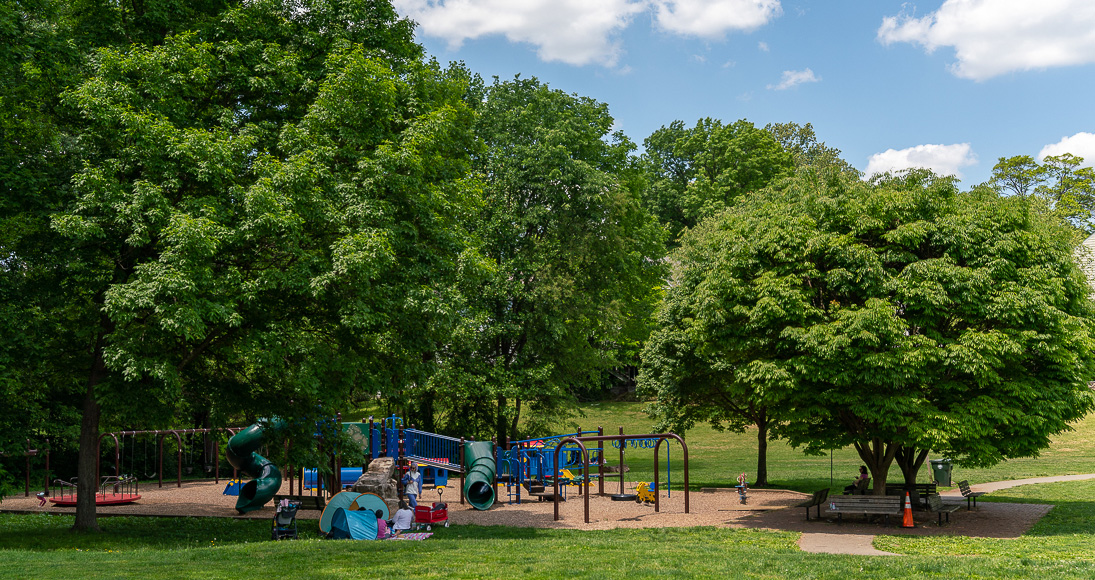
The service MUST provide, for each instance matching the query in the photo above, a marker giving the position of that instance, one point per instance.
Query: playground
(767, 509)
(711, 508)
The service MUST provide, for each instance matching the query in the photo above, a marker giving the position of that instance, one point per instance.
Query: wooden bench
(818, 498)
(308, 502)
(969, 494)
(921, 491)
(935, 504)
(882, 505)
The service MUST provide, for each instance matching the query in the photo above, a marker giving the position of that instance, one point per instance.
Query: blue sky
(948, 84)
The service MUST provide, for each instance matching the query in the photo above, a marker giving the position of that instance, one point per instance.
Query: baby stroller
(285, 520)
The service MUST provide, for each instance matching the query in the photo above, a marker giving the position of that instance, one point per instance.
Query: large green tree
(801, 142)
(896, 316)
(259, 204)
(570, 260)
(1060, 182)
(698, 172)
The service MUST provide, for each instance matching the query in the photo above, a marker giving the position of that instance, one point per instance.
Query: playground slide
(267, 478)
(479, 467)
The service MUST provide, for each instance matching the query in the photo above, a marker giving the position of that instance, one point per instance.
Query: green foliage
(896, 315)
(808, 153)
(1060, 183)
(568, 261)
(698, 172)
(243, 211)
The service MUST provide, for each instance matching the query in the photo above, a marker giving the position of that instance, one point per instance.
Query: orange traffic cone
(908, 521)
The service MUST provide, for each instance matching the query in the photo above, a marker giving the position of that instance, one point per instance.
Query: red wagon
(430, 515)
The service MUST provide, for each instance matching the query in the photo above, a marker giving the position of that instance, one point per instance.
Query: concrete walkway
(863, 544)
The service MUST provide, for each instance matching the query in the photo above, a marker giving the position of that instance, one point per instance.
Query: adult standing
(412, 485)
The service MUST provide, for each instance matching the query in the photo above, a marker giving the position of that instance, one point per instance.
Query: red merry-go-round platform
(100, 499)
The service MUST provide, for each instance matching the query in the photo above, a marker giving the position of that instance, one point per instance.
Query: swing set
(124, 487)
(620, 441)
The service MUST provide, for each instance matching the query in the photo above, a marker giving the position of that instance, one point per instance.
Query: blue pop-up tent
(353, 525)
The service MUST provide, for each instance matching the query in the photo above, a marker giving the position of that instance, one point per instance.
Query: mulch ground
(766, 509)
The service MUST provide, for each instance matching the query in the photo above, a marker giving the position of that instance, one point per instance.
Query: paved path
(863, 544)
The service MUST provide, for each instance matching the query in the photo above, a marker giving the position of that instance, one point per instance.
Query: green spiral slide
(267, 478)
(479, 468)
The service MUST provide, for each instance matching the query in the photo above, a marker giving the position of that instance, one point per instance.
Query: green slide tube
(479, 469)
(267, 478)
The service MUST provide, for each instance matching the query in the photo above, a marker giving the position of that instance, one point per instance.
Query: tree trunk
(424, 412)
(87, 476)
(516, 418)
(877, 455)
(762, 452)
(501, 426)
(910, 461)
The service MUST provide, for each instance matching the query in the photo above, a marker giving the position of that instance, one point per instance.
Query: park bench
(868, 505)
(935, 504)
(919, 493)
(306, 501)
(817, 499)
(969, 494)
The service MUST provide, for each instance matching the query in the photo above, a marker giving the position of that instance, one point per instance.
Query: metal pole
(601, 464)
(621, 440)
(46, 488)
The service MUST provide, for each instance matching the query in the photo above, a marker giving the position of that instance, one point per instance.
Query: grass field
(1062, 545)
(717, 458)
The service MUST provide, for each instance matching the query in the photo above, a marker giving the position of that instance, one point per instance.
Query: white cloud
(713, 18)
(1080, 145)
(576, 32)
(793, 78)
(993, 37)
(942, 159)
(580, 32)
(762, 46)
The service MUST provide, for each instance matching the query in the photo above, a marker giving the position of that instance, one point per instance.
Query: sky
(951, 85)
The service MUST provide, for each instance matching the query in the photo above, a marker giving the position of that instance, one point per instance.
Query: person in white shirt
(403, 518)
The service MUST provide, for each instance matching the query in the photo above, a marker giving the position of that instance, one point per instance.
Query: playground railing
(437, 450)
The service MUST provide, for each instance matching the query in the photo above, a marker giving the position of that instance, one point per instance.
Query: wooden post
(463, 470)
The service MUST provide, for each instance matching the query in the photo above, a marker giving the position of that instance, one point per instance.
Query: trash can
(941, 471)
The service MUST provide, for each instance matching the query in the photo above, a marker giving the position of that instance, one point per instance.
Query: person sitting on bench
(862, 477)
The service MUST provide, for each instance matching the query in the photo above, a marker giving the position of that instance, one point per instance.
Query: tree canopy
(1059, 182)
(897, 316)
(256, 208)
(571, 259)
(698, 172)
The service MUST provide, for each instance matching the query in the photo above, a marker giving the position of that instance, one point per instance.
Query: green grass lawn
(717, 458)
(38, 546)
(1062, 545)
